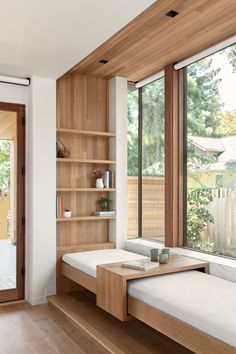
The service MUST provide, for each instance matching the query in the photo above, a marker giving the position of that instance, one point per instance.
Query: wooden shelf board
(86, 218)
(86, 189)
(84, 247)
(68, 160)
(86, 132)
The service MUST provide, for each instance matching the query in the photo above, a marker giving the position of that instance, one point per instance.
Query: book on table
(140, 265)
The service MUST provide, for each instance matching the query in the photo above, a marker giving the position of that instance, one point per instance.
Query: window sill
(222, 267)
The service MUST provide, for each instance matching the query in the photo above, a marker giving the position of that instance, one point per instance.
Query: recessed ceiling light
(172, 13)
(103, 61)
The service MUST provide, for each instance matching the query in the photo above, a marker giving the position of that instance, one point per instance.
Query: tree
(153, 128)
(203, 98)
(5, 163)
(132, 132)
(227, 125)
(231, 54)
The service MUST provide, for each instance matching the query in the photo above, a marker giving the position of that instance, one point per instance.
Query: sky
(227, 87)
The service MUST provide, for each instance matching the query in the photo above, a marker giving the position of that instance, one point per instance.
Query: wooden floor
(108, 333)
(26, 329)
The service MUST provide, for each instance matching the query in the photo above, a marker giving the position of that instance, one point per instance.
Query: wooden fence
(223, 209)
(153, 207)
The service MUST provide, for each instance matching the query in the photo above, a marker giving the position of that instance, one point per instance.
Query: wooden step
(108, 333)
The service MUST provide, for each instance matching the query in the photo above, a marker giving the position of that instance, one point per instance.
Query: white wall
(41, 222)
(118, 152)
(40, 101)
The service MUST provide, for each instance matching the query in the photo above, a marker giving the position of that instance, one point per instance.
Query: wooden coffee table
(112, 280)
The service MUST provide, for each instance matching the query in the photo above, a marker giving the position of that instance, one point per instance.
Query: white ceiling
(47, 37)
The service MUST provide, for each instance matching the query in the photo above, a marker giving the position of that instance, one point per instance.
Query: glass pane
(132, 137)
(153, 201)
(211, 154)
(8, 195)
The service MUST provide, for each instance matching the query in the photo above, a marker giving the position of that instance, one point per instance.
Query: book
(106, 179)
(140, 265)
(104, 213)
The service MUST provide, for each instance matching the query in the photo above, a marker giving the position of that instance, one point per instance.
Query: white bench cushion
(88, 261)
(201, 300)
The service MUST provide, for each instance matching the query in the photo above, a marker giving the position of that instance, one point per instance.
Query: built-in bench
(204, 302)
(195, 309)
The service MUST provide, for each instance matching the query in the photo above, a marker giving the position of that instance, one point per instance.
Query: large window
(146, 161)
(210, 154)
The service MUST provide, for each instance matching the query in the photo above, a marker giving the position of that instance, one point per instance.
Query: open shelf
(86, 247)
(86, 132)
(86, 189)
(102, 162)
(86, 218)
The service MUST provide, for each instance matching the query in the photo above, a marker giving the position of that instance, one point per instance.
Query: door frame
(19, 292)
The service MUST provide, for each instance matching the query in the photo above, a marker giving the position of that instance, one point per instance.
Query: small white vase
(99, 183)
(67, 214)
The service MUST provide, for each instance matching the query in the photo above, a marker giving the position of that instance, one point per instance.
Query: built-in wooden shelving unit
(86, 132)
(86, 247)
(97, 190)
(82, 127)
(86, 218)
(102, 162)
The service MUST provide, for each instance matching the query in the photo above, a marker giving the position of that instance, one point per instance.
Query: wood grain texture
(41, 330)
(171, 157)
(82, 126)
(112, 282)
(85, 132)
(190, 337)
(108, 332)
(79, 277)
(152, 40)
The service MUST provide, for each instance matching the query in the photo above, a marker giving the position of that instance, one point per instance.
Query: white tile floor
(7, 265)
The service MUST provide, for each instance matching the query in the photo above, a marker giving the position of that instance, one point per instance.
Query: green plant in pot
(104, 203)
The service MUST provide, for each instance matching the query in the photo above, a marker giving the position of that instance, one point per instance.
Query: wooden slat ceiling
(153, 40)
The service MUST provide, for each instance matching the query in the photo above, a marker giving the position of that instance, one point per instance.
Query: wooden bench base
(183, 333)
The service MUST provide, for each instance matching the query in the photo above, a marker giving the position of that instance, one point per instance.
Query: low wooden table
(112, 282)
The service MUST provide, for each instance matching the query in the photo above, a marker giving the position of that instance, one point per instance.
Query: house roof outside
(226, 146)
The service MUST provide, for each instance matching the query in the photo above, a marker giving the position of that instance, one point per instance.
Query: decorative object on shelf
(104, 203)
(104, 213)
(99, 183)
(60, 203)
(154, 254)
(109, 179)
(67, 213)
(62, 151)
(99, 178)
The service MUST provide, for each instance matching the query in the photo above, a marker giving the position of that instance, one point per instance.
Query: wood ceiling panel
(152, 40)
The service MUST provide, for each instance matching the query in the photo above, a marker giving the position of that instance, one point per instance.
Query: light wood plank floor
(26, 329)
(110, 334)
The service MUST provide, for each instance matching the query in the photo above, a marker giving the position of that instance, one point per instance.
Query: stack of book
(104, 213)
(60, 206)
(140, 265)
(109, 179)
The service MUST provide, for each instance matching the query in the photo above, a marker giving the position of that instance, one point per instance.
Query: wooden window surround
(173, 156)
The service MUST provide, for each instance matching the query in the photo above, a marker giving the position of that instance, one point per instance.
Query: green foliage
(5, 163)
(132, 132)
(227, 124)
(203, 98)
(153, 128)
(231, 54)
(198, 216)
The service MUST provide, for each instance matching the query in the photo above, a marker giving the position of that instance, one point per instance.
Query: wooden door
(12, 201)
